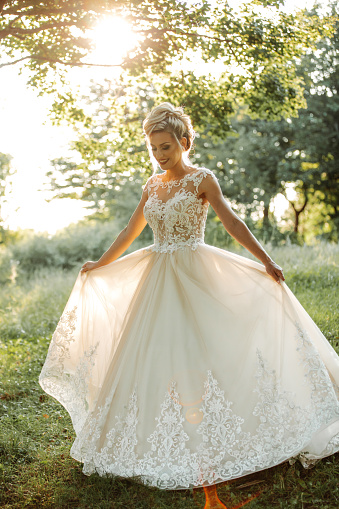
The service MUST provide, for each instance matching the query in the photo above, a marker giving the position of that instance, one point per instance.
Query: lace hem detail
(71, 389)
(226, 449)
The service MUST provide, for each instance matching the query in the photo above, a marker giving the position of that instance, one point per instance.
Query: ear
(183, 143)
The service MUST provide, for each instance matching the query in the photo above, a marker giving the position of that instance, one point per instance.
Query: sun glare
(113, 38)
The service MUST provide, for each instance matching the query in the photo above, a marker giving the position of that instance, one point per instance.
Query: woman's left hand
(89, 266)
(274, 271)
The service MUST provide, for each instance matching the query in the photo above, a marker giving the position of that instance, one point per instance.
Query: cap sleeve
(202, 174)
(147, 186)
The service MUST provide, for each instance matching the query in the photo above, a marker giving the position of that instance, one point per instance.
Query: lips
(163, 161)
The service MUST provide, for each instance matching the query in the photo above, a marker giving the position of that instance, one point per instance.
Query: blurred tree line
(258, 159)
(264, 158)
(267, 122)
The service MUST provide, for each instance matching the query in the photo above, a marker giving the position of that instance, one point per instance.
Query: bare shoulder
(209, 182)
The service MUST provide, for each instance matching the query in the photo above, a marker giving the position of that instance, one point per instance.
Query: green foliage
(247, 163)
(114, 162)
(71, 247)
(36, 432)
(6, 171)
(68, 249)
(255, 43)
(43, 35)
(316, 130)
(258, 158)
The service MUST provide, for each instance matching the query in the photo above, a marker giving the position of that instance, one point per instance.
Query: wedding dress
(186, 365)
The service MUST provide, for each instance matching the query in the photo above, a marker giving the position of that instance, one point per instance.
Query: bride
(183, 364)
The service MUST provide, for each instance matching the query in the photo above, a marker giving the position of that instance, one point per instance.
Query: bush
(5, 266)
(69, 248)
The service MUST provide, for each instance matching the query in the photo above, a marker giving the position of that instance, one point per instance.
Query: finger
(276, 276)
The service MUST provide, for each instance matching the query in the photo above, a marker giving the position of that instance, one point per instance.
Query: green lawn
(36, 432)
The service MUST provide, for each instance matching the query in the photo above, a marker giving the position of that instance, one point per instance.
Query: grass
(36, 432)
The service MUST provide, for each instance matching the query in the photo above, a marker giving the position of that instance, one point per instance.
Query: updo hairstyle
(166, 117)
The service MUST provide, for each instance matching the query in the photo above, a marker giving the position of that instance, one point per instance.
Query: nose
(160, 155)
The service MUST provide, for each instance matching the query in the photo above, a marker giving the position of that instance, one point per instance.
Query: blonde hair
(166, 117)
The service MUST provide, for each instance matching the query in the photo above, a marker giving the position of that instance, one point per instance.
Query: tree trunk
(266, 220)
(296, 220)
(2, 5)
(297, 213)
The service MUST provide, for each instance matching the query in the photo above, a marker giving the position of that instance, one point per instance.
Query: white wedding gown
(187, 365)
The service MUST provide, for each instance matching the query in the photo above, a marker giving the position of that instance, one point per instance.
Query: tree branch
(2, 5)
(302, 208)
(188, 34)
(36, 12)
(13, 21)
(28, 31)
(56, 61)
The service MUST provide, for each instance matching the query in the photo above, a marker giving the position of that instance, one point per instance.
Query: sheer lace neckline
(181, 179)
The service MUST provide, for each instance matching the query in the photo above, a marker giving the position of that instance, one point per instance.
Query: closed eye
(163, 148)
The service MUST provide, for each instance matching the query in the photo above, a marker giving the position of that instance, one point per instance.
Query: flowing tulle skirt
(191, 368)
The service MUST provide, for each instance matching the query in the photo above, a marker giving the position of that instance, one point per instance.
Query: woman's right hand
(274, 271)
(89, 266)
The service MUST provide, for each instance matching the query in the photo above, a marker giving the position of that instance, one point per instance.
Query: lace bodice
(175, 212)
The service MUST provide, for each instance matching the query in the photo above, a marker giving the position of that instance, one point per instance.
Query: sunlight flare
(113, 38)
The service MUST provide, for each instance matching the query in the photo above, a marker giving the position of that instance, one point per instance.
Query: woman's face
(166, 149)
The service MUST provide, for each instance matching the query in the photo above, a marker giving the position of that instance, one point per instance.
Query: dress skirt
(191, 368)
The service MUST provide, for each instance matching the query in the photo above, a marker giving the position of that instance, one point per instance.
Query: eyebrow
(161, 144)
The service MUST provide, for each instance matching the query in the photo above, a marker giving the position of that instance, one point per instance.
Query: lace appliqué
(180, 221)
(229, 447)
(71, 388)
(195, 177)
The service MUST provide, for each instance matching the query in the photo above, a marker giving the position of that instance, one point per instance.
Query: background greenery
(266, 114)
(267, 121)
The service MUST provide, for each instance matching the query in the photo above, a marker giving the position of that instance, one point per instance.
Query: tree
(263, 158)
(248, 166)
(112, 150)
(319, 149)
(110, 161)
(256, 161)
(256, 44)
(312, 162)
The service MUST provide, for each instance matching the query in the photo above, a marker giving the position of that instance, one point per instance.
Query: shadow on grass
(57, 482)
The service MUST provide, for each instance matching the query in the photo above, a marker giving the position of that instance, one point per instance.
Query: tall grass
(36, 432)
(33, 307)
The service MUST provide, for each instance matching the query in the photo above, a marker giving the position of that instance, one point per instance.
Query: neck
(178, 171)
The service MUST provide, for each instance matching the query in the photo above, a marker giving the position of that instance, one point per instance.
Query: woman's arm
(210, 190)
(125, 238)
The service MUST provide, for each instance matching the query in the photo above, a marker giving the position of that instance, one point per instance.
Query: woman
(184, 364)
